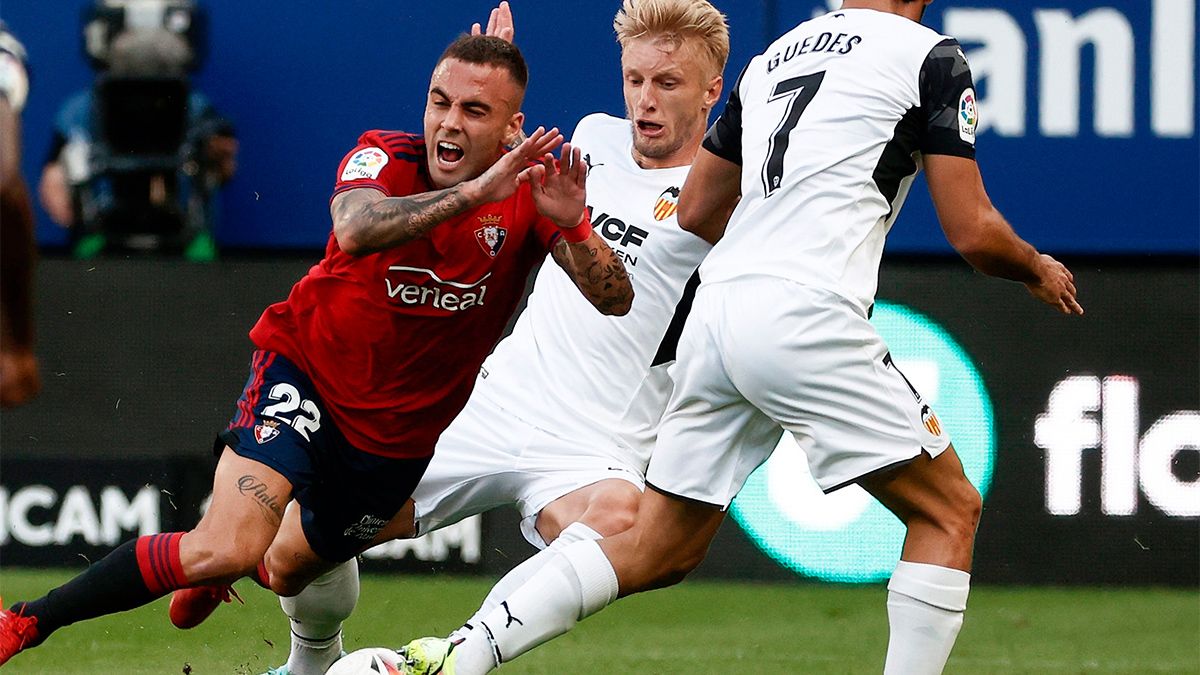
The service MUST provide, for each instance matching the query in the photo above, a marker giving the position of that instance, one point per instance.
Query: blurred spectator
(19, 380)
(135, 161)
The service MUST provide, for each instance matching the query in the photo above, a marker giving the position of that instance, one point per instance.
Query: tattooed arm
(559, 190)
(598, 272)
(367, 221)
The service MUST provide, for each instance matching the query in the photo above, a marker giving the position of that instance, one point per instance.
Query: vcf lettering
(618, 231)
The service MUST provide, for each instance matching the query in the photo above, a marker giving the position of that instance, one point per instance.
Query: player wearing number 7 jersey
(817, 146)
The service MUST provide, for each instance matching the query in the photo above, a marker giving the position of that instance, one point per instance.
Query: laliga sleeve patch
(366, 163)
(968, 116)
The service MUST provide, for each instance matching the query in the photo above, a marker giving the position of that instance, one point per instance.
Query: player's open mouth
(449, 154)
(650, 129)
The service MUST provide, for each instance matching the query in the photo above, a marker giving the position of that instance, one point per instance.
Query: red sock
(158, 561)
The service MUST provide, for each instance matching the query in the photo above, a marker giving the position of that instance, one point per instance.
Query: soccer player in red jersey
(372, 354)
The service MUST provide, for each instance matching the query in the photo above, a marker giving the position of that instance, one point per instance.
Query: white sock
(524, 572)
(925, 610)
(575, 584)
(316, 615)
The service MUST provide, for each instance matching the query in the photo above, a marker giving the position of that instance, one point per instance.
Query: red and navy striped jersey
(393, 340)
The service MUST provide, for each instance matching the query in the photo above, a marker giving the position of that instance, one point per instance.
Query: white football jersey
(829, 124)
(568, 369)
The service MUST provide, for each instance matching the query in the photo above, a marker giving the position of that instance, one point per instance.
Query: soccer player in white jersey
(566, 409)
(817, 146)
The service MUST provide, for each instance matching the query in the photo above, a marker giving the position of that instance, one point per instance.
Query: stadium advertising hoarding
(1087, 107)
(1088, 121)
(1083, 433)
(58, 512)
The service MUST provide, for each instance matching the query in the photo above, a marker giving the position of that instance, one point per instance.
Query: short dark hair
(492, 51)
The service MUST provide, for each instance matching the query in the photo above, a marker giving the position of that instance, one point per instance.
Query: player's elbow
(688, 216)
(349, 239)
(980, 255)
(704, 221)
(622, 308)
(352, 221)
(972, 234)
(693, 218)
(970, 245)
(618, 304)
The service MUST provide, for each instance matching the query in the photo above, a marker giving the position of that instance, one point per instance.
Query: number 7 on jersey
(800, 91)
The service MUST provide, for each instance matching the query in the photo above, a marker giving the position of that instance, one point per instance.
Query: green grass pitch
(695, 628)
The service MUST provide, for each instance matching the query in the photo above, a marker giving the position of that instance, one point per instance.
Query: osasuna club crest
(267, 430)
(491, 236)
(667, 204)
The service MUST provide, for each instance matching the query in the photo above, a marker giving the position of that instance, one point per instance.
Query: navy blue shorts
(346, 495)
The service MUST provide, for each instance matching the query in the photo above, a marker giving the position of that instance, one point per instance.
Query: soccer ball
(369, 661)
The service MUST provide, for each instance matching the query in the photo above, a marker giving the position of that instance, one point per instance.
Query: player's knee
(661, 568)
(961, 519)
(288, 584)
(678, 567)
(616, 521)
(287, 580)
(970, 506)
(286, 587)
(612, 514)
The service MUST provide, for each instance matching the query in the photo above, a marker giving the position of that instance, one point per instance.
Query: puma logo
(511, 619)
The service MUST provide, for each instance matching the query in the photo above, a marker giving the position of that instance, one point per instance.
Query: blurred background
(1090, 104)
(1084, 435)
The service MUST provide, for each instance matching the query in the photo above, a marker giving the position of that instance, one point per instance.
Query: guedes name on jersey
(825, 43)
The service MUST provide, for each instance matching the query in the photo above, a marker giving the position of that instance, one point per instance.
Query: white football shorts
(759, 355)
(489, 457)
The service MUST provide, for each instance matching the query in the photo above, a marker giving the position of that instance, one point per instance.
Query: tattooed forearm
(599, 274)
(257, 490)
(365, 221)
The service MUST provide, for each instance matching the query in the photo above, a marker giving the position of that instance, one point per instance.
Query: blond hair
(675, 20)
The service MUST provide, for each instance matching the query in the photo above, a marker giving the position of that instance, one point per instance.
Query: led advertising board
(1082, 433)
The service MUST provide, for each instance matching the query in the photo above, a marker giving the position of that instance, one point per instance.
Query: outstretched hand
(501, 180)
(1056, 287)
(500, 24)
(558, 186)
